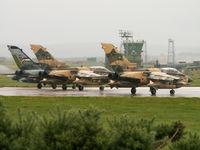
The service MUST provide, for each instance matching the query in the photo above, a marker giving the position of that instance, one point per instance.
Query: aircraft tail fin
(45, 57)
(21, 59)
(117, 61)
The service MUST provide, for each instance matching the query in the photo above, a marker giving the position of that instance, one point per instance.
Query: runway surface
(141, 92)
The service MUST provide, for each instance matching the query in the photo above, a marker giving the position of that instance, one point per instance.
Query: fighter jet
(32, 72)
(29, 70)
(126, 74)
(93, 76)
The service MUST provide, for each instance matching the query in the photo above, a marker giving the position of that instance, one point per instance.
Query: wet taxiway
(141, 92)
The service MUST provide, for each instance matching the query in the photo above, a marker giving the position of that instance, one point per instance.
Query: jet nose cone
(190, 80)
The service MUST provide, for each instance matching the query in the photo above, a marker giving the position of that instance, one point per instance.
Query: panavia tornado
(29, 70)
(126, 74)
(95, 76)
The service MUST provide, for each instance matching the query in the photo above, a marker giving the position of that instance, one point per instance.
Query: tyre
(153, 91)
(101, 88)
(73, 86)
(53, 86)
(133, 91)
(172, 92)
(39, 86)
(64, 87)
(80, 88)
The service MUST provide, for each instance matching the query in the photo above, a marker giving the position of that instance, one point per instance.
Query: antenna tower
(171, 53)
(126, 36)
(145, 52)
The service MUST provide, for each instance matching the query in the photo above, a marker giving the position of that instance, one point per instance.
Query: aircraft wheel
(133, 91)
(64, 87)
(53, 86)
(73, 86)
(101, 88)
(39, 86)
(172, 92)
(80, 88)
(153, 91)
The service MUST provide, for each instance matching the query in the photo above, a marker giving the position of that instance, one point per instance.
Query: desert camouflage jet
(127, 75)
(95, 76)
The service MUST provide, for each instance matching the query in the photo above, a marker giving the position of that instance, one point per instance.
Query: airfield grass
(196, 79)
(164, 110)
(8, 82)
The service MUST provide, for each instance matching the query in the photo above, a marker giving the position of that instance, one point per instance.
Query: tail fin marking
(118, 62)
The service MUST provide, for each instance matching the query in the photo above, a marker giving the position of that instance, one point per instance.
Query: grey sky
(53, 22)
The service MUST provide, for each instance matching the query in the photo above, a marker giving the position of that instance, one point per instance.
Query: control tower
(132, 49)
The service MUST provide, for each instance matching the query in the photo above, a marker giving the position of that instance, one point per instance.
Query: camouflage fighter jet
(93, 76)
(127, 75)
(32, 72)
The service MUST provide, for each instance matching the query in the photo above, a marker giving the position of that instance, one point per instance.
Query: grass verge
(164, 110)
(8, 82)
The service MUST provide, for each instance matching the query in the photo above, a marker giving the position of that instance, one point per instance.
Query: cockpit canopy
(99, 68)
(170, 70)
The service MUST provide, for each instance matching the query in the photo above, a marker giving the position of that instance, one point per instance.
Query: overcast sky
(52, 22)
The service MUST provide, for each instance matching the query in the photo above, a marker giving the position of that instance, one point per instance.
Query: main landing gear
(53, 86)
(64, 87)
(80, 87)
(172, 92)
(133, 91)
(73, 86)
(39, 86)
(101, 88)
(153, 91)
